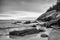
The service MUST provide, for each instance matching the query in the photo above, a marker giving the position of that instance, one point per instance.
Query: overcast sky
(16, 9)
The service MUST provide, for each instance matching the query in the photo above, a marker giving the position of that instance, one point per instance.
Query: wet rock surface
(44, 35)
(26, 32)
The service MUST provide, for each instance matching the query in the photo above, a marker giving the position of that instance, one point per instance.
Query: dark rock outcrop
(17, 22)
(33, 26)
(26, 32)
(27, 22)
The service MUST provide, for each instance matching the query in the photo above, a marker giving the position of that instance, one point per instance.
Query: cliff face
(51, 16)
(51, 13)
(47, 16)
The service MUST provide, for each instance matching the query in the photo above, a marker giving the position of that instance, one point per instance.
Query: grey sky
(27, 5)
(24, 7)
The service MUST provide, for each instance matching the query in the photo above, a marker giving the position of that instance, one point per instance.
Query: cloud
(27, 5)
(17, 9)
(19, 15)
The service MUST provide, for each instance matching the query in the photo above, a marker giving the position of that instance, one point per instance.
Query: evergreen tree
(55, 7)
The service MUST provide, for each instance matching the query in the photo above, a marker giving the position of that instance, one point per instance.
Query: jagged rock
(47, 16)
